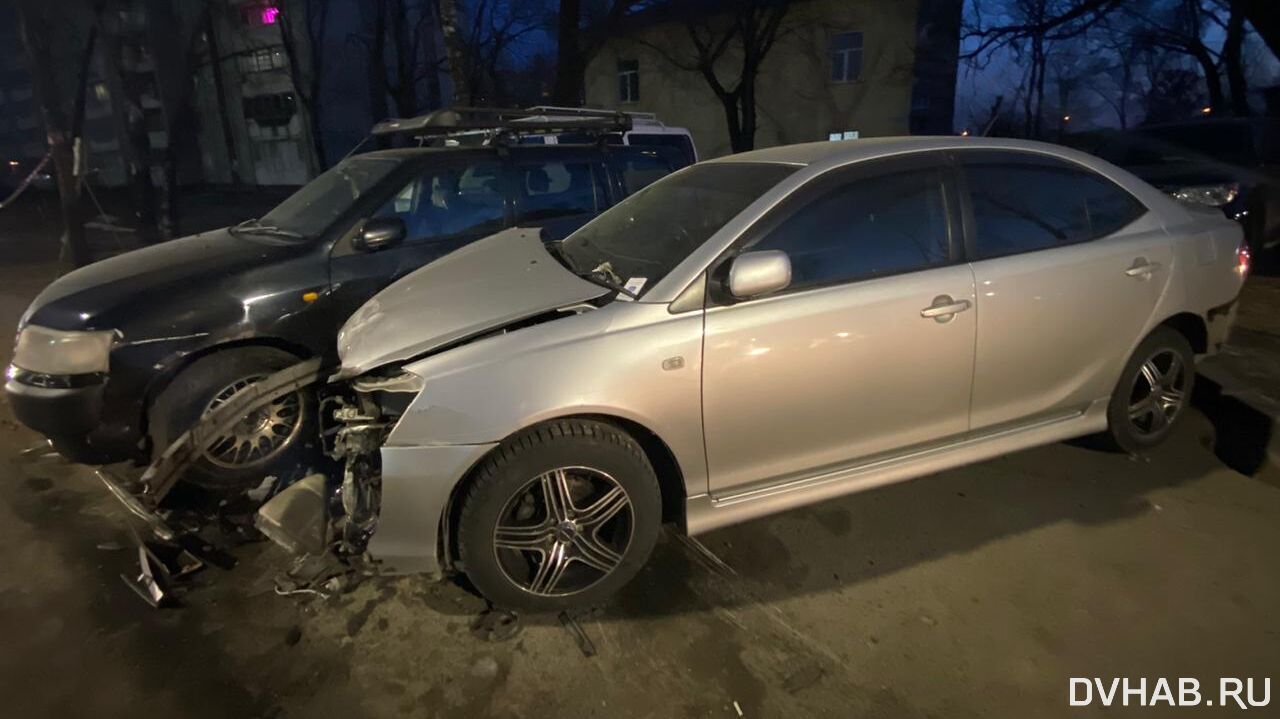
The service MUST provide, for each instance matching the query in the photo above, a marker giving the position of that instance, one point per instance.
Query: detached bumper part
(296, 518)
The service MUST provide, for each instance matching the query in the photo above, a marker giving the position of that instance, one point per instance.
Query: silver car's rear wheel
(1153, 392)
(1158, 393)
(558, 516)
(564, 531)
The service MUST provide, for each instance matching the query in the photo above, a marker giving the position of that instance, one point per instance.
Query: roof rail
(591, 112)
(456, 120)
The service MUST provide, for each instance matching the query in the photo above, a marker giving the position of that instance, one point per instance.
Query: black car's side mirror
(379, 234)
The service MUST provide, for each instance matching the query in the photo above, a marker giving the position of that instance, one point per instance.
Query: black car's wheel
(1154, 391)
(560, 516)
(278, 439)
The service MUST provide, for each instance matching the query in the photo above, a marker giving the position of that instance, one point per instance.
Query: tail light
(1243, 258)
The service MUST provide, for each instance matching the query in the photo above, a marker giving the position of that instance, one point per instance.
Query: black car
(1229, 163)
(118, 358)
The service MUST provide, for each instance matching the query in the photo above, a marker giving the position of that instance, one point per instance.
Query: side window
(680, 143)
(450, 201)
(1026, 205)
(640, 168)
(870, 227)
(547, 190)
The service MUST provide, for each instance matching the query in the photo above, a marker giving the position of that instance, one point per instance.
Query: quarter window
(871, 227)
(846, 56)
(450, 201)
(1023, 205)
(628, 81)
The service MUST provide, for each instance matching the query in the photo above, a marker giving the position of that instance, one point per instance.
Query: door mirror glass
(758, 273)
(379, 234)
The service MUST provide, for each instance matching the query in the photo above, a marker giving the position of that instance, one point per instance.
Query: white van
(646, 130)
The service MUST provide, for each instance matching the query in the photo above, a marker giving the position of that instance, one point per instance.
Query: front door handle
(1142, 268)
(944, 308)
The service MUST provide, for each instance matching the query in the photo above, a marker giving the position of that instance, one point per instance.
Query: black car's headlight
(1210, 195)
(57, 352)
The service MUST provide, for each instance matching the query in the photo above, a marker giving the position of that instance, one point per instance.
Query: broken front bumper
(416, 485)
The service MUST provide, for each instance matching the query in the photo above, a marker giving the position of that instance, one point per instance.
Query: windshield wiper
(604, 276)
(255, 227)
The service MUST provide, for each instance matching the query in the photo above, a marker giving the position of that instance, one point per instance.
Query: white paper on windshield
(635, 284)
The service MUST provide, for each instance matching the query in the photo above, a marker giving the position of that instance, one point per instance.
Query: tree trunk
(453, 50)
(1212, 80)
(219, 87)
(570, 67)
(376, 67)
(1264, 16)
(406, 96)
(35, 29)
(1231, 58)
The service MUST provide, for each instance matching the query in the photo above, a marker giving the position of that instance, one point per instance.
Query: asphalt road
(973, 593)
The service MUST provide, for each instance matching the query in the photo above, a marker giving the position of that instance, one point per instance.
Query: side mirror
(379, 234)
(758, 273)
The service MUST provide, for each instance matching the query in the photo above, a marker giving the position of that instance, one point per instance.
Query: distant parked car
(756, 333)
(1229, 163)
(115, 360)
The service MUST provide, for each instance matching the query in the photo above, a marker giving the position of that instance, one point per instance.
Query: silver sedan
(765, 331)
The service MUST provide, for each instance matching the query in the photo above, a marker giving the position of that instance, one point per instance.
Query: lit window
(259, 14)
(628, 81)
(100, 91)
(846, 57)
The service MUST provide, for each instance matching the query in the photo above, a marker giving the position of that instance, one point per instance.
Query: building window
(259, 14)
(262, 60)
(628, 81)
(839, 135)
(270, 110)
(846, 56)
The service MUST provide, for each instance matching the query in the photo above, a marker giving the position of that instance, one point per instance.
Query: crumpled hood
(483, 286)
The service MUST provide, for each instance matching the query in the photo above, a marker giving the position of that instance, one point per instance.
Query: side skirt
(706, 512)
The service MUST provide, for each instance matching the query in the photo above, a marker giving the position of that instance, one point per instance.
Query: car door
(558, 188)
(859, 357)
(1069, 267)
(447, 204)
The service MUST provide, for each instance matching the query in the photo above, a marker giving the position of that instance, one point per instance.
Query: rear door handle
(944, 307)
(1142, 268)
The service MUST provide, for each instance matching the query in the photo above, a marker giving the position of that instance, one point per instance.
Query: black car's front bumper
(70, 412)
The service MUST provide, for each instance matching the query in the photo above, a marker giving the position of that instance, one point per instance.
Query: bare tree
(1181, 28)
(454, 51)
(579, 36)
(1264, 16)
(494, 28)
(36, 25)
(728, 49)
(172, 34)
(307, 85)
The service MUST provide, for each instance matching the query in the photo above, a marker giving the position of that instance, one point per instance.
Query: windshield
(311, 210)
(649, 233)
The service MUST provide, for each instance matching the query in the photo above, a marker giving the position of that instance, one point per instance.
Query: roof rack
(456, 120)
(591, 112)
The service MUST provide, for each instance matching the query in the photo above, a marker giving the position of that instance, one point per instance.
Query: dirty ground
(973, 593)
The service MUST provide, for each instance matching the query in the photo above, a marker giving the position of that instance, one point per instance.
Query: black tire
(192, 391)
(595, 457)
(1135, 434)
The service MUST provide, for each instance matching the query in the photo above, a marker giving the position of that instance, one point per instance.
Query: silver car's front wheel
(559, 516)
(564, 531)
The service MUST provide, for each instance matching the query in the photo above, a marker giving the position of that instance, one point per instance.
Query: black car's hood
(1189, 173)
(106, 293)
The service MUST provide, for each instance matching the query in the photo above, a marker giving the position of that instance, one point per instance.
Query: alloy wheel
(262, 434)
(564, 531)
(1158, 393)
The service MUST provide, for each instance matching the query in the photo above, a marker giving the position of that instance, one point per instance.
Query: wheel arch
(665, 466)
(1191, 326)
(174, 368)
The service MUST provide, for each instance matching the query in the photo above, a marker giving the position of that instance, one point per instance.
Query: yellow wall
(796, 102)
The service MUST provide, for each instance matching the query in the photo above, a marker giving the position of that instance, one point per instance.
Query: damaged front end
(336, 514)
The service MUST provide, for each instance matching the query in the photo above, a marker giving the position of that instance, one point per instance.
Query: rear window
(680, 143)
(549, 190)
(1025, 204)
